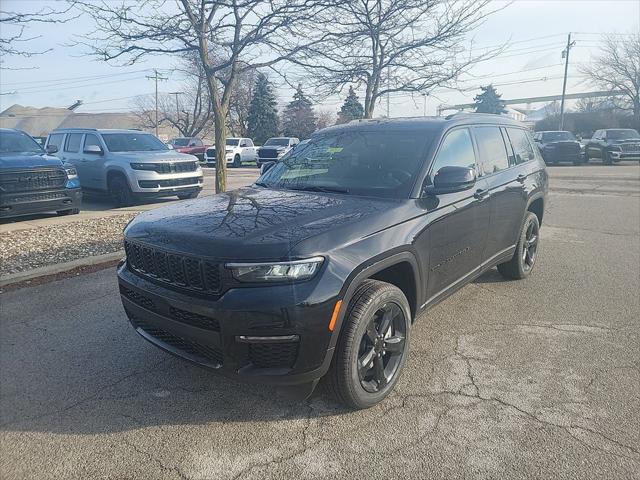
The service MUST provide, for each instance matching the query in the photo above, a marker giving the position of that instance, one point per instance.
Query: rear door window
(522, 148)
(73, 142)
(492, 150)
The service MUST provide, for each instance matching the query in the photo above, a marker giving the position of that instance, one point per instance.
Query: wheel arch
(536, 206)
(114, 172)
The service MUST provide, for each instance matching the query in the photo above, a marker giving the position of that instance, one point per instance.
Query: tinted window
(521, 146)
(180, 142)
(280, 142)
(493, 154)
(132, 142)
(456, 150)
(232, 142)
(73, 142)
(372, 163)
(557, 136)
(91, 140)
(622, 134)
(55, 139)
(16, 143)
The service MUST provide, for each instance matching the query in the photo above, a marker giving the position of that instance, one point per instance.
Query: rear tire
(71, 211)
(373, 345)
(526, 254)
(120, 192)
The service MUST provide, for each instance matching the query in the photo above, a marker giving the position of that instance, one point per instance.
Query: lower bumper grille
(273, 355)
(174, 182)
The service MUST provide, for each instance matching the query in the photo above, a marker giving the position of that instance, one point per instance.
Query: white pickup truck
(237, 152)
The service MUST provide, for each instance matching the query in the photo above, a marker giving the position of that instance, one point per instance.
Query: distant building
(38, 122)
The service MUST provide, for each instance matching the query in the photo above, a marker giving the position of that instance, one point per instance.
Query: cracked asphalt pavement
(506, 379)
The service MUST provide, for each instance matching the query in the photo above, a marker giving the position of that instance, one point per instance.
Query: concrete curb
(60, 268)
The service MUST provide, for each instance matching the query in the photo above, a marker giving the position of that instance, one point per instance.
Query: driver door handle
(521, 178)
(481, 194)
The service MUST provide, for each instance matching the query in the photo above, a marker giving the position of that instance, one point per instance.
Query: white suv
(126, 164)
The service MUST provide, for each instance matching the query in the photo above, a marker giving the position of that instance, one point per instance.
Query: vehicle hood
(562, 142)
(626, 140)
(258, 224)
(28, 161)
(162, 156)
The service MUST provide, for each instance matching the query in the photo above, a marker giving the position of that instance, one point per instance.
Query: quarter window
(73, 142)
(521, 145)
(456, 151)
(493, 154)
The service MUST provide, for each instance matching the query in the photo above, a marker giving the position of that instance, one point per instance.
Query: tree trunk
(220, 129)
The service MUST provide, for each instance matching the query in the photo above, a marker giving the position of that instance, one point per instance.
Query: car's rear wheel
(373, 345)
(237, 161)
(120, 192)
(526, 254)
(71, 211)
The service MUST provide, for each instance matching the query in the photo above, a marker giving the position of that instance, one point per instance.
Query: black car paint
(602, 148)
(558, 151)
(440, 241)
(25, 201)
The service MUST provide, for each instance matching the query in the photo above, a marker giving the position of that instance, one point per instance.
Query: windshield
(132, 142)
(16, 143)
(180, 142)
(376, 163)
(277, 142)
(557, 136)
(622, 134)
(232, 142)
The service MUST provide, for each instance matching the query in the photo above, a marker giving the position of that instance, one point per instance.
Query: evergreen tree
(298, 118)
(489, 101)
(352, 109)
(262, 121)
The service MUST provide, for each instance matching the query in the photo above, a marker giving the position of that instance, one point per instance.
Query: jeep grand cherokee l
(322, 265)
(33, 182)
(128, 165)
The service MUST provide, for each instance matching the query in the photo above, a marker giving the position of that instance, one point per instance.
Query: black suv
(613, 145)
(33, 182)
(558, 146)
(321, 266)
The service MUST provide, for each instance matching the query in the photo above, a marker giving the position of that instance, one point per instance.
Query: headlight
(143, 166)
(276, 271)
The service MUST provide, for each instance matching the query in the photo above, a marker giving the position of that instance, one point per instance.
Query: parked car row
(608, 146)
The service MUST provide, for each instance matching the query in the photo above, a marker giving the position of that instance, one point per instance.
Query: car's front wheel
(71, 211)
(237, 161)
(526, 254)
(187, 196)
(373, 345)
(120, 192)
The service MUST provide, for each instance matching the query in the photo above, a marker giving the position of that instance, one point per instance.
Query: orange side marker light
(334, 316)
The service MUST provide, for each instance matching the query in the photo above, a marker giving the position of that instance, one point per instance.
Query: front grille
(181, 271)
(172, 182)
(630, 147)
(204, 353)
(178, 167)
(176, 314)
(29, 180)
(211, 152)
(268, 153)
(34, 197)
(273, 355)
(567, 148)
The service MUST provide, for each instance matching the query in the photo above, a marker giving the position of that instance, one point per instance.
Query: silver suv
(126, 164)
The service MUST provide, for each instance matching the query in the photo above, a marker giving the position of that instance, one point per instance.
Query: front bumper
(27, 203)
(560, 157)
(153, 184)
(617, 155)
(258, 334)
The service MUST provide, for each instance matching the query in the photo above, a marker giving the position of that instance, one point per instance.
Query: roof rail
(74, 128)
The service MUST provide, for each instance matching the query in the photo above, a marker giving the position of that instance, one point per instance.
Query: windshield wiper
(261, 184)
(317, 188)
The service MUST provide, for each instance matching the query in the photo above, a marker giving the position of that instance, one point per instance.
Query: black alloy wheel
(530, 246)
(526, 254)
(381, 347)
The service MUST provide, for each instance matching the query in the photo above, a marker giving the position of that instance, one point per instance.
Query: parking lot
(538, 378)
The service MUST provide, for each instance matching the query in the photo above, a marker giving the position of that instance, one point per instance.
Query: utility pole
(177, 107)
(565, 55)
(425, 95)
(156, 77)
(389, 91)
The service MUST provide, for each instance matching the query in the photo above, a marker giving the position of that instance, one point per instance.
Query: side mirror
(51, 149)
(264, 168)
(452, 179)
(192, 144)
(169, 146)
(93, 149)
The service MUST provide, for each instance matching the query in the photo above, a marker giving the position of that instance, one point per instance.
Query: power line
(49, 90)
(76, 79)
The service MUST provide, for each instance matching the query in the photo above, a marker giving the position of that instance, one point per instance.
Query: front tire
(120, 191)
(188, 196)
(606, 158)
(237, 161)
(71, 211)
(373, 345)
(526, 254)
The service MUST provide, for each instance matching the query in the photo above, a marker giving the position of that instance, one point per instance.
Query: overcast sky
(532, 65)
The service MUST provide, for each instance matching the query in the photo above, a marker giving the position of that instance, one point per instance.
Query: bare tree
(15, 39)
(229, 37)
(391, 46)
(324, 119)
(239, 104)
(617, 67)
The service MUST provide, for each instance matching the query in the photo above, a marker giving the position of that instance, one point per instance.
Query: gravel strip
(24, 250)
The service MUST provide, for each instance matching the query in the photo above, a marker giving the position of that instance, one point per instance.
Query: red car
(190, 145)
